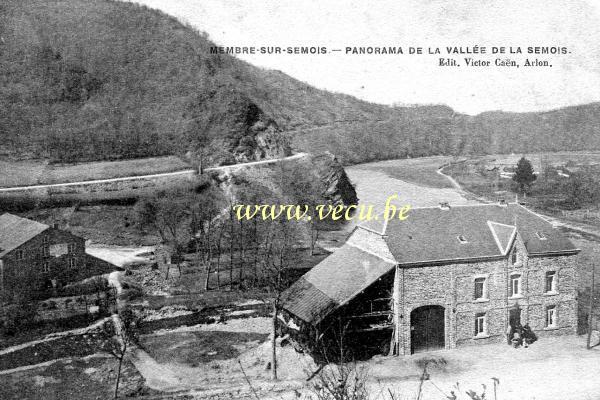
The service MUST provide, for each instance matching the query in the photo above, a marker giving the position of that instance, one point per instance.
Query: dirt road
(166, 174)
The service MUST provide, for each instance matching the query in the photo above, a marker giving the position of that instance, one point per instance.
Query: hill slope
(97, 79)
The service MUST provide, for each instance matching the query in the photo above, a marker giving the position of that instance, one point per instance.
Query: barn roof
(333, 282)
(15, 231)
(429, 235)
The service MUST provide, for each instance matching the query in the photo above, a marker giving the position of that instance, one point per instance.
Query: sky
(574, 78)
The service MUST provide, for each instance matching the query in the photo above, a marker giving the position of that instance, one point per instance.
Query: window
(540, 235)
(44, 251)
(515, 285)
(514, 257)
(71, 248)
(550, 316)
(72, 263)
(19, 255)
(45, 240)
(551, 282)
(462, 239)
(46, 267)
(480, 288)
(480, 328)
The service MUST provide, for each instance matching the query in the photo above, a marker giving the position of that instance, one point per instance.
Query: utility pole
(591, 308)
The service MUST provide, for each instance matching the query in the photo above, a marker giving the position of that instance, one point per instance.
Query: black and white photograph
(299, 200)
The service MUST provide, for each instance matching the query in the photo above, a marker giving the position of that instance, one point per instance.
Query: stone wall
(452, 286)
(52, 258)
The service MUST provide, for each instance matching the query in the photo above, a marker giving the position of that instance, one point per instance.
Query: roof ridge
(534, 213)
(366, 228)
(391, 261)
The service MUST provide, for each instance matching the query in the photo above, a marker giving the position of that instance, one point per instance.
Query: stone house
(35, 257)
(445, 277)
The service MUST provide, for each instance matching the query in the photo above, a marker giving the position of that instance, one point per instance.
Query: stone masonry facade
(452, 286)
(53, 258)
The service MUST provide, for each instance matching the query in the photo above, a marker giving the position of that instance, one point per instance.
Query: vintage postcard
(314, 200)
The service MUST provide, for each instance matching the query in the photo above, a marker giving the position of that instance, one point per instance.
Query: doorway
(427, 329)
(514, 316)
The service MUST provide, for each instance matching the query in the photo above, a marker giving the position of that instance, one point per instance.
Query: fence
(57, 308)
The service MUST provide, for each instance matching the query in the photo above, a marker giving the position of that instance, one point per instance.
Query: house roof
(429, 235)
(432, 234)
(15, 231)
(503, 234)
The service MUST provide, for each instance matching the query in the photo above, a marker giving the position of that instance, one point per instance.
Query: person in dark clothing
(509, 334)
(517, 337)
(528, 334)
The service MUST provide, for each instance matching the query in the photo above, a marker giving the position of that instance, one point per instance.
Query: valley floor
(222, 360)
(197, 360)
(229, 360)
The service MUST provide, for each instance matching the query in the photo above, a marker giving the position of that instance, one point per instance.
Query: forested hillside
(96, 79)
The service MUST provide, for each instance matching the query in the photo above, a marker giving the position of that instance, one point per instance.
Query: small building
(445, 277)
(35, 257)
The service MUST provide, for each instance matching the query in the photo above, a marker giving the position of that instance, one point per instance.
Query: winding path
(226, 168)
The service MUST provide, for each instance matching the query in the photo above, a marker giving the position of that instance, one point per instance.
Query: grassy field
(194, 348)
(489, 177)
(554, 158)
(88, 378)
(106, 224)
(27, 173)
(21, 173)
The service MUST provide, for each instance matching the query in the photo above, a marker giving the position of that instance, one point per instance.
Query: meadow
(41, 172)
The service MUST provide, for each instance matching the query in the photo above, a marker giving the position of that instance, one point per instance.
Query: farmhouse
(446, 277)
(35, 257)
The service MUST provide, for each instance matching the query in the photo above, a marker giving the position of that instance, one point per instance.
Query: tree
(581, 188)
(342, 379)
(279, 255)
(168, 212)
(205, 210)
(118, 336)
(524, 176)
(306, 188)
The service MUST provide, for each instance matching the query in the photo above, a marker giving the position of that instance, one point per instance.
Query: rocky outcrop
(258, 137)
(335, 186)
(339, 189)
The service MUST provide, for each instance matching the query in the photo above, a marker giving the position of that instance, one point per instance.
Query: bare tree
(343, 380)
(118, 336)
(279, 254)
(182, 214)
(205, 211)
(167, 212)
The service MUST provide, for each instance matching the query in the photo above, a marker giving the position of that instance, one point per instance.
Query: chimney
(55, 225)
(444, 205)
